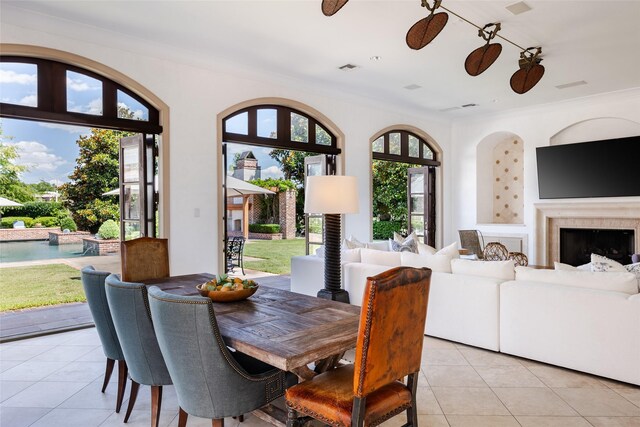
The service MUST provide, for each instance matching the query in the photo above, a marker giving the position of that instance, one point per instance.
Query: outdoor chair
(129, 306)
(235, 249)
(210, 380)
(94, 289)
(473, 241)
(495, 251)
(389, 347)
(145, 258)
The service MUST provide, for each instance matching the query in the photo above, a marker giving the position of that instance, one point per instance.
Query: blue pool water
(39, 249)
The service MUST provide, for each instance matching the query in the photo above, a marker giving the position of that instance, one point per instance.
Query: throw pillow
(379, 246)
(404, 244)
(426, 249)
(603, 264)
(352, 243)
(450, 251)
(635, 269)
(564, 267)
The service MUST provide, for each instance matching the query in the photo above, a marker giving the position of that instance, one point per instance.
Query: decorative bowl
(226, 296)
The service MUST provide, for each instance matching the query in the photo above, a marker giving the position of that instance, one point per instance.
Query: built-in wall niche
(500, 179)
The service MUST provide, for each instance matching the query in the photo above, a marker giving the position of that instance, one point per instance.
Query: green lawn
(38, 285)
(276, 254)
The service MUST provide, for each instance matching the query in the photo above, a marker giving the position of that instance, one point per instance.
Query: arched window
(404, 185)
(279, 127)
(52, 91)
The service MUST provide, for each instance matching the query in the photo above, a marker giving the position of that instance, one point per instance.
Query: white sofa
(530, 314)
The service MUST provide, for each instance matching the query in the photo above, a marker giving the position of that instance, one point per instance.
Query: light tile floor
(55, 380)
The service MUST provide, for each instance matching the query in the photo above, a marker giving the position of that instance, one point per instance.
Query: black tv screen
(609, 168)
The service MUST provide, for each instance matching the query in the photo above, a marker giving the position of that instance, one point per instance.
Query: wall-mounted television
(608, 168)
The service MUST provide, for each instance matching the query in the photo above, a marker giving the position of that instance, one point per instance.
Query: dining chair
(210, 380)
(473, 241)
(495, 251)
(389, 347)
(145, 258)
(94, 289)
(129, 306)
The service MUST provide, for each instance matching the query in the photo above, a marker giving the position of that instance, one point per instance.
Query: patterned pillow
(633, 268)
(404, 244)
(604, 264)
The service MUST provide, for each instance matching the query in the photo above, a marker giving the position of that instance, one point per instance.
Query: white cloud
(79, 85)
(137, 114)
(7, 76)
(37, 156)
(271, 172)
(68, 128)
(93, 107)
(29, 100)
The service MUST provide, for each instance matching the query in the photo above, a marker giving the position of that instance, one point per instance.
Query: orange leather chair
(145, 258)
(389, 347)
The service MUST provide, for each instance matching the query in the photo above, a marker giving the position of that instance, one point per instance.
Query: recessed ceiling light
(412, 86)
(518, 8)
(572, 84)
(376, 58)
(348, 67)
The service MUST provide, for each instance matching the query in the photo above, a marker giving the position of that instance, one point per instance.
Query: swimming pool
(37, 249)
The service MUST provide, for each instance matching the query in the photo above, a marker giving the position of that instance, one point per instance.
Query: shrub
(109, 230)
(385, 229)
(7, 222)
(47, 221)
(68, 223)
(34, 209)
(264, 228)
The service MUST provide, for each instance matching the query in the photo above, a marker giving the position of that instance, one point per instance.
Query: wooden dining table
(287, 330)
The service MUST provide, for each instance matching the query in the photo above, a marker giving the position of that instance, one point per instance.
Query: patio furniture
(94, 289)
(473, 241)
(495, 251)
(210, 380)
(389, 348)
(235, 251)
(145, 258)
(129, 307)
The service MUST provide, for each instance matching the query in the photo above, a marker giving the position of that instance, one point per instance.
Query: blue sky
(50, 150)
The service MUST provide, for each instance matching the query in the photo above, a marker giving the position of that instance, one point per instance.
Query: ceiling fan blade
(425, 30)
(525, 79)
(482, 58)
(330, 7)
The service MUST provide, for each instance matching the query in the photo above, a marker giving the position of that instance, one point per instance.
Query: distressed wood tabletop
(284, 329)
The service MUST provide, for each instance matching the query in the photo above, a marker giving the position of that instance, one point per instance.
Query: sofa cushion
(350, 255)
(567, 267)
(372, 256)
(617, 282)
(437, 263)
(451, 251)
(352, 243)
(424, 249)
(379, 246)
(498, 269)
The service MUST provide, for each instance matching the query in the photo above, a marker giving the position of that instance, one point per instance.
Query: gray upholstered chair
(129, 306)
(210, 380)
(93, 284)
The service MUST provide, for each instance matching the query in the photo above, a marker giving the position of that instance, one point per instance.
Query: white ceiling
(594, 41)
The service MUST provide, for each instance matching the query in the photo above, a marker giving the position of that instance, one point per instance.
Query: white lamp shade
(331, 194)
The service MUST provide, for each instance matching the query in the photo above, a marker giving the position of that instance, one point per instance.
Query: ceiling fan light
(330, 7)
(425, 30)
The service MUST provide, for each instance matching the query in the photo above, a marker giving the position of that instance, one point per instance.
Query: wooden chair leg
(122, 383)
(107, 373)
(133, 395)
(156, 404)
(217, 423)
(357, 414)
(412, 413)
(182, 418)
(241, 418)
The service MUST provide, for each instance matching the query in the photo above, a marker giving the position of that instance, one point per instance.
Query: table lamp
(331, 195)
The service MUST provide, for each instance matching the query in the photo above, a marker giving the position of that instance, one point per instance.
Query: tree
(96, 172)
(389, 190)
(11, 186)
(42, 187)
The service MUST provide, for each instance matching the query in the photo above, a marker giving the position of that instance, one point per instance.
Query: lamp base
(334, 295)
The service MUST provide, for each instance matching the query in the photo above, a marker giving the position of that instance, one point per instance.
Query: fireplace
(577, 245)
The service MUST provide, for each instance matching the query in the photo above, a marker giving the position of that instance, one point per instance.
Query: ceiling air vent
(348, 67)
(518, 8)
(572, 84)
(412, 86)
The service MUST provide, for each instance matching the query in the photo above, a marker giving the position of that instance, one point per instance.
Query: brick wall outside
(59, 238)
(100, 247)
(287, 201)
(10, 234)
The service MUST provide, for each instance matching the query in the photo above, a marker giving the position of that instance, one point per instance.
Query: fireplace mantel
(550, 217)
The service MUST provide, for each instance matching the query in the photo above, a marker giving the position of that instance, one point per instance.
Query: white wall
(196, 92)
(536, 126)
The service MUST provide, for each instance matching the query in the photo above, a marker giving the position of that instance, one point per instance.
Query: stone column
(287, 205)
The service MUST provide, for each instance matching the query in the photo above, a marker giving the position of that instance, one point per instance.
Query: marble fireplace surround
(550, 217)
